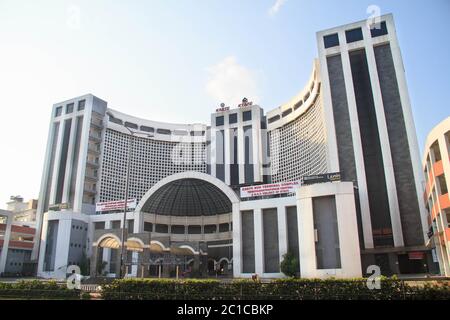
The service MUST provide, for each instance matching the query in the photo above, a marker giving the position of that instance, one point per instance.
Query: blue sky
(175, 60)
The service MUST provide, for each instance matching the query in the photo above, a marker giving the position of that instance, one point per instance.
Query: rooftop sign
(245, 103)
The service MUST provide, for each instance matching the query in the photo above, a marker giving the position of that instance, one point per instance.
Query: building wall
(436, 166)
(364, 88)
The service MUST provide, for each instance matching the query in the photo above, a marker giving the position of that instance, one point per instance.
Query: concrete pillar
(166, 266)
(5, 248)
(259, 241)
(282, 232)
(196, 268)
(118, 262)
(237, 241)
(93, 262)
(144, 257)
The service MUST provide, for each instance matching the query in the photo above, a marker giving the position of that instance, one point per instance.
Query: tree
(290, 265)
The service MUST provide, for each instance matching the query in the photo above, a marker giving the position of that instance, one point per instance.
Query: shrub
(36, 289)
(287, 289)
(289, 265)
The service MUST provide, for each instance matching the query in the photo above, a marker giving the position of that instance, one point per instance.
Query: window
(58, 111)
(161, 228)
(443, 184)
(210, 228)
(81, 104)
(180, 132)
(69, 108)
(147, 129)
(194, 229)
(246, 115)
(148, 226)
(177, 229)
(197, 133)
(131, 125)
(298, 104)
(115, 120)
(353, 35)
(286, 112)
(232, 118)
(274, 118)
(380, 31)
(219, 121)
(163, 131)
(224, 227)
(331, 40)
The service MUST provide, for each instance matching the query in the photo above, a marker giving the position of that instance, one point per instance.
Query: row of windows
(233, 118)
(159, 130)
(181, 229)
(151, 161)
(299, 147)
(70, 107)
(353, 35)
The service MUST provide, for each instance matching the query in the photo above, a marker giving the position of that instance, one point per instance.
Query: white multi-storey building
(214, 197)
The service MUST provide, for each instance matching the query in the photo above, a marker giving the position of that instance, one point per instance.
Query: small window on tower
(69, 108)
(331, 40)
(378, 30)
(353, 35)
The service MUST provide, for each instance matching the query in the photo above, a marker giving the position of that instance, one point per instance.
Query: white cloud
(229, 82)
(276, 6)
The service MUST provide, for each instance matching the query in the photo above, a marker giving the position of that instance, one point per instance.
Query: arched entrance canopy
(188, 194)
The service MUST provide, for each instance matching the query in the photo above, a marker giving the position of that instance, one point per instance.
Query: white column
(43, 188)
(259, 241)
(43, 242)
(348, 234)
(391, 187)
(213, 148)
(69, 165)
(307, 247)
(256, 143)
(227, 151)
(62, 247)
(327, 108)
(57, 161)
(106, 251)
(5, 248)
(81, 171)
(282, 232)
(357, 145)
(409, 121)
(237, 241)
(241, 149)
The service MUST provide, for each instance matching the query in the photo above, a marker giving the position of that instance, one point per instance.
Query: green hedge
(36, 289)
(293, 289)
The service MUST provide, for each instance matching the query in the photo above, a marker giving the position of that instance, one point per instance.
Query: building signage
(245, 103)
(59, 206)
(222, 108)
(115, 205)
(318, 178)
(269, 189)
(415, 255)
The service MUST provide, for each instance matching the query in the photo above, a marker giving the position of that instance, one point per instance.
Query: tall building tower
(237, 146)
(70, 176)
(368, 115)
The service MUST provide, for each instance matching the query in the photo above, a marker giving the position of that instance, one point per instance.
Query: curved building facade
(436, 168)
(231, 197)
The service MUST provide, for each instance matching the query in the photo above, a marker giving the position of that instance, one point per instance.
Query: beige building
(23, 211)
